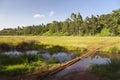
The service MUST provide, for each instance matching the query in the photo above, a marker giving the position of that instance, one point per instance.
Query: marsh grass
(20, 69)
(68, 42)
(115, 49)
(34, 45)
(26, 63)
(73, 41)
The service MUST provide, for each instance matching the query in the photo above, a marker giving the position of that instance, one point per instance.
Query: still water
(83, 65)
(62, 57)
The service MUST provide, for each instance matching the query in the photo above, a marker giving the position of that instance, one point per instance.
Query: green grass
(17, 65)
(69, 42)
(19, 69)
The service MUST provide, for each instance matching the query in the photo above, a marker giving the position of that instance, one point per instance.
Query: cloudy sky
(15, 13)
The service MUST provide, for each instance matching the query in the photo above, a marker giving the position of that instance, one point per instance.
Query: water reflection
(83, 65)
(12, 53)
(99, 60)
(32, 52)
(60, 57)
(18, 53)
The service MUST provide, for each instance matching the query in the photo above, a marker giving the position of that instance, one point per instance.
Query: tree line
(100, 25)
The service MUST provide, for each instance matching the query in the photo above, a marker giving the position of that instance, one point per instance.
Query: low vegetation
(25, 63)
(69, 42)
(57, 44)
(31, 45)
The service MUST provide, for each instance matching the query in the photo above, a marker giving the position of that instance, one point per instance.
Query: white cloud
(39, 16)
(51, 13)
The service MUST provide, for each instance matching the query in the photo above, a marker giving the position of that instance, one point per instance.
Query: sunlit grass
(86, 42)
(19, 69)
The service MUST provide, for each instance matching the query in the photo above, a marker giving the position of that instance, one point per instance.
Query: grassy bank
(25, 63)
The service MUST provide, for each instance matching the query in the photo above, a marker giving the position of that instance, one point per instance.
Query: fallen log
(69, 63)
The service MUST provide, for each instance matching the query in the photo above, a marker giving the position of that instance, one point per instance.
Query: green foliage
(15, 69)
(103, 25)
(19, 69)
(104, 32)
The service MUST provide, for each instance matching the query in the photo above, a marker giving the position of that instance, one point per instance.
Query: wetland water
(61, 57)
(83, 65)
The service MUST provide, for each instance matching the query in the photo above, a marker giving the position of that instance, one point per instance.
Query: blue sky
(15, 13)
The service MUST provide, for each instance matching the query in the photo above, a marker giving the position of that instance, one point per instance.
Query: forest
(96, 25)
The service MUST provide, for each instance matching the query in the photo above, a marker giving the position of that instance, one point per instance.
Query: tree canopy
(103, 25)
